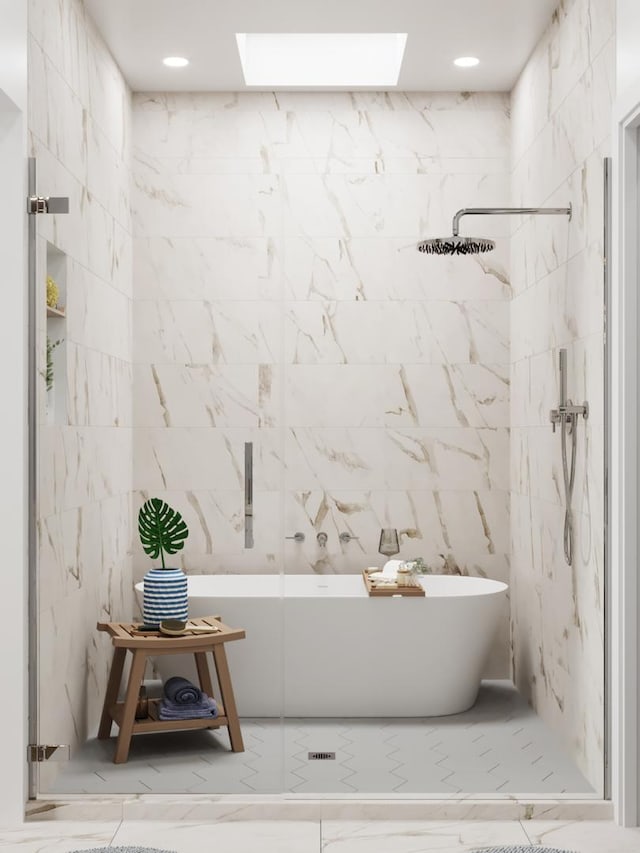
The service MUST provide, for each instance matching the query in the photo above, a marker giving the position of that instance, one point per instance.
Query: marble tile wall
(561, 109)
(276, 301)
(79, 131)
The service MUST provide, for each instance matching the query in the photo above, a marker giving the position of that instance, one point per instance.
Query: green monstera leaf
(161, 528)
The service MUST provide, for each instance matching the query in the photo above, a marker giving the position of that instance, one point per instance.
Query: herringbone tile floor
(499, 746)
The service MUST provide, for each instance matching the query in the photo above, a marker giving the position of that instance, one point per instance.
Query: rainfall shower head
(457, 245)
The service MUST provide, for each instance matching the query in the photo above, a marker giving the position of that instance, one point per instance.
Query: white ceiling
(502, 33)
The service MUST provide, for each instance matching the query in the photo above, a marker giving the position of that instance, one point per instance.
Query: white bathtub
(318, 646)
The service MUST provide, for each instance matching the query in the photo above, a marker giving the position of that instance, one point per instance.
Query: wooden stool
(125, 637)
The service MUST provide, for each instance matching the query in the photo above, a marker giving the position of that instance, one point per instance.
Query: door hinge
(44, 752)
(46, 204)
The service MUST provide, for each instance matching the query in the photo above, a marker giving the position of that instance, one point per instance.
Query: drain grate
(322, 756)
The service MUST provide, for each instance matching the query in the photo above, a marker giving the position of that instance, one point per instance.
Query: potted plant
(53, 293)
(163, 531)
(48, 374)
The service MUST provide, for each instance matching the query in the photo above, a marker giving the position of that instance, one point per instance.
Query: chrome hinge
(40, 752)
(46, 204)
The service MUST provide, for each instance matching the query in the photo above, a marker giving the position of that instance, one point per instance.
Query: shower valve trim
(568, 413)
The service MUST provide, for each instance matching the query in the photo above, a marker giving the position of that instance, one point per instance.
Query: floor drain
(322, 756)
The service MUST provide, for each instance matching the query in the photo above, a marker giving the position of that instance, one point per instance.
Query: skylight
(321, 59)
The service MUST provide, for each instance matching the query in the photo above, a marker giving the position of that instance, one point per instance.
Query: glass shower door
(163, 385)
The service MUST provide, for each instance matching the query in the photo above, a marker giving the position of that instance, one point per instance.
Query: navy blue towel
(170, 711)
(181, 691)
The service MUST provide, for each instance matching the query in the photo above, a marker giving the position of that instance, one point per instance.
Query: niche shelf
(55, 312)
(56, 330)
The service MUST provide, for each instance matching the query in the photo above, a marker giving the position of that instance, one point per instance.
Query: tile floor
(318, 837)
(499, 746)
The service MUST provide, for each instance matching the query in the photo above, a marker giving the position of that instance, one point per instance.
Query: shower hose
(569, 473)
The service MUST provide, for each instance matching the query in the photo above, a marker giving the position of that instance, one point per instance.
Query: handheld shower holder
(568, 413)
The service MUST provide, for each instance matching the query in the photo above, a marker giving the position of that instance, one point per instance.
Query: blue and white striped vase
(165, 596)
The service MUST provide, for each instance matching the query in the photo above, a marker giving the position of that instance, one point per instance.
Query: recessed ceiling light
(321, 59)
(175, 61)
(466, 61)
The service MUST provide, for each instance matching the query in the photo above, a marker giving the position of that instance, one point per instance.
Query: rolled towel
(170, 711)
(182, 691)
(390, 568)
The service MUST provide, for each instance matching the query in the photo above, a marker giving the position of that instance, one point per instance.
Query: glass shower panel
(168, 376)
(398, 378)
(296, 381)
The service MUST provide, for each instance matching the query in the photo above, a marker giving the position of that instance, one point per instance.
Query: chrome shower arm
(501, 211)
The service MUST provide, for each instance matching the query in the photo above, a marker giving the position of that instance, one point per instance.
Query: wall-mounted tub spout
(567, 416)
(322, 539)
(297, 537)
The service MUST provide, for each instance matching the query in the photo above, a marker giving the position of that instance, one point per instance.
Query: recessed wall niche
(56, 343)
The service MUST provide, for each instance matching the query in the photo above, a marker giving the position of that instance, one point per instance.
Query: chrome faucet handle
(347, 537)
(297, 537)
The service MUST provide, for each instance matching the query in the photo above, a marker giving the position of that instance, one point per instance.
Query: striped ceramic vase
(165, 596)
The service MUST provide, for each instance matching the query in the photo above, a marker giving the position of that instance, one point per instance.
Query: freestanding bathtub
(319, 646)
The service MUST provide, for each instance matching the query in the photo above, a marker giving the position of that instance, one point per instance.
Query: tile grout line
(117, 829)
(525, 832)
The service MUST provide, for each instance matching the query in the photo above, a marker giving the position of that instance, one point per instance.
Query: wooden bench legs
(131, 700)
(111, 697)
(226, 691)
(228, 699)
(126, 717)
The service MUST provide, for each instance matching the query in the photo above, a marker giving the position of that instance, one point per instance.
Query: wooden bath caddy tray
(387, 591)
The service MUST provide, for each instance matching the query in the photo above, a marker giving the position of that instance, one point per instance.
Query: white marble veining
(79, 121)
(588, 836)
(200, 268)
(409, 457)
(407, 395)
(207, 332)
(63, 836)
(383, 205)
(403, 331)
(159, 807)
(185, 205)
(346, 835)
(207, 395)
(335, 268)
(295, 837)
(405, 837)
(560, 133)
(278, 299)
